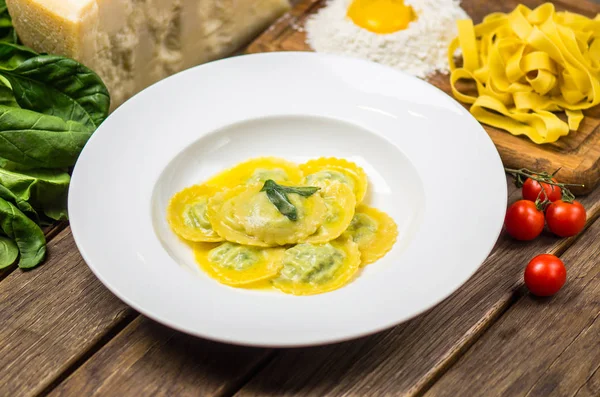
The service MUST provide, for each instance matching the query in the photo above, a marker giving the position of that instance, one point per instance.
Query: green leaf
(301, 191)
(7, 98)
(7, 31)
(283, 204)
(21, 203)
(26, 233)
(46, 190)
(12, 55)
(40, 141)
(8, 252)
(277, 195)
(59, 87)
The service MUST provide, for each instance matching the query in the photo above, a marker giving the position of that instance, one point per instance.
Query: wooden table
(63, 333)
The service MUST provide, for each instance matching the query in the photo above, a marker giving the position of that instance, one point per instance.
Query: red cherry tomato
(523, 220)
(545, 275)
(531, 190)
(565, 219)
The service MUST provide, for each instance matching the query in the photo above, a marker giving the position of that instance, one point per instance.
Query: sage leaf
(26, 234)
(283, 204)
(301, 191)
(277, 195)
(8, 252)
(37, 140)
(59, 87)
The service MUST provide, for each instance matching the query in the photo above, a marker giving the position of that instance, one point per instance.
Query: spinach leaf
(277, 195)
(7, 32)
(8, 252)
(12, 55)
(40, 141)
(21, 203)
(46, 190)
(59, 87)
(26, 233)
(7, 97)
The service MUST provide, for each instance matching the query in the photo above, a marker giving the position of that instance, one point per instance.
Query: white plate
(431, 166)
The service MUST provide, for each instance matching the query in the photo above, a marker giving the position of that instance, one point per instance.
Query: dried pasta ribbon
(526, 65)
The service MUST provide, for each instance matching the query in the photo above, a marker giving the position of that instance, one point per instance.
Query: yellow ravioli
(260, 217)
(316, 268)
(221, 215)
(319, 172)
(340, 203)
(187, 214)
(258, 170)
(374, 231)
(237, 265)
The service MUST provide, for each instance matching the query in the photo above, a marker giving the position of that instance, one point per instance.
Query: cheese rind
(131, 44)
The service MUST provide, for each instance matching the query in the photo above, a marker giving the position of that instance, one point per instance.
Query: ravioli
(316, 268)
(220, 212)
(238, 265)
(187, 214)
(374, 231)
(340, 203)
(258, 170)
(319, 172)
(269, 223)
(261, 219)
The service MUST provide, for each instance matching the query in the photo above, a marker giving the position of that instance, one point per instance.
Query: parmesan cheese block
(134, 43)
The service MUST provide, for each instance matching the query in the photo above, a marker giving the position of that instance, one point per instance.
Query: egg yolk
(381, 16)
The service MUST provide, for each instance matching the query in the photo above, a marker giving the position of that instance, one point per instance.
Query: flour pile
(420, 50)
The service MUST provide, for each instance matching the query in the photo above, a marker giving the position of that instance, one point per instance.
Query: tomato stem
(542, 177)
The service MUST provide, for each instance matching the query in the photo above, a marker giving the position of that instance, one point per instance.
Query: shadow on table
(178, 362)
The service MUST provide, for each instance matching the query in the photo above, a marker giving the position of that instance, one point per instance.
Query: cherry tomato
(565, 219)
(545, 275)
(531, 190)
(523, 220)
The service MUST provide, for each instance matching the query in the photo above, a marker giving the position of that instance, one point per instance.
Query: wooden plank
(591, 388)
(409, 358)
(50, 232)
(541, 346)
(578, 154)
(148, 359)
(51, 317)
(135, 352)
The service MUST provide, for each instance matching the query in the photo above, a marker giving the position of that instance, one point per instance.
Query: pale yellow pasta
(526, 65)
(374, 231)
(340, 203)
(321, 171)
(316, 268)
(225, 224)
(258, 170)
(187, 214)
(261, 219)
(269, 223)
(237, 265)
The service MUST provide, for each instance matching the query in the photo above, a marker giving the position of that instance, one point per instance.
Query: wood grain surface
(51, 317)
(148, 359)
(64, 334)
(408, 359)
(578, 153)
(405, 360)
(541, 346)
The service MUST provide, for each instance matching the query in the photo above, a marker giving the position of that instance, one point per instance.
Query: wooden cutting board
(578, 154)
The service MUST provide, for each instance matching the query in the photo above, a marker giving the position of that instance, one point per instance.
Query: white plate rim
(272, 57)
